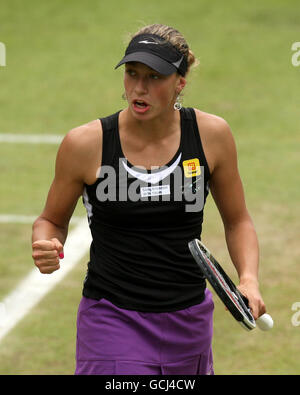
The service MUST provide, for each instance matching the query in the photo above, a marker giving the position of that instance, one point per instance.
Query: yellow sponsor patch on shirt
(191, 167)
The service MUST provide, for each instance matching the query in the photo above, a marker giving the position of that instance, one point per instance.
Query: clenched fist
(47, 254)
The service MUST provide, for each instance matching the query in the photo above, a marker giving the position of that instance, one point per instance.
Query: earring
(178, 104)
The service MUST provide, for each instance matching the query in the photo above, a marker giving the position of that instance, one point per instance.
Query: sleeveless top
(141, 221)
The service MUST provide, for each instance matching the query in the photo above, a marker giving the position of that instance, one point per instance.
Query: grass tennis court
(59, 73)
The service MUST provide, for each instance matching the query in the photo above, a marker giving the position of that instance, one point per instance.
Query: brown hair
(174, 37)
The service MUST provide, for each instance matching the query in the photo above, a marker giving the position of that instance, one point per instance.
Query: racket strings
(215, 273)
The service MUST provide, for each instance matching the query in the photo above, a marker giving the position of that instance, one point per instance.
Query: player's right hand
(47, 254)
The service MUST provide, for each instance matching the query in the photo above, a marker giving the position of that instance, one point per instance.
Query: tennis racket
(232, 298)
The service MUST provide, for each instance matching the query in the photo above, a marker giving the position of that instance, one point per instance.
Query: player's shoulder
(80, 149)
(216, 136)
(84, 136)
(211, 123)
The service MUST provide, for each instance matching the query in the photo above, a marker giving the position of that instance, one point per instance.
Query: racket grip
(265, 322)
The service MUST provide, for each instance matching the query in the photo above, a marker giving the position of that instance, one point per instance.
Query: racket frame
(224, 287)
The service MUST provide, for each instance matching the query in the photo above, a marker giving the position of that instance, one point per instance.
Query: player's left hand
(251, 291)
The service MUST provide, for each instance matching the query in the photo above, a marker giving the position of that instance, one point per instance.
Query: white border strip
(36, 285)
(30, 138)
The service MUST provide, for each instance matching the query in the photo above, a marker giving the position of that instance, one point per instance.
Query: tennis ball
(265, 322)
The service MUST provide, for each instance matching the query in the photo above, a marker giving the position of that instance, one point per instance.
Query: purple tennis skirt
(115, 341)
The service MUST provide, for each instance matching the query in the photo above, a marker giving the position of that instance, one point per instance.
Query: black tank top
(141, 222)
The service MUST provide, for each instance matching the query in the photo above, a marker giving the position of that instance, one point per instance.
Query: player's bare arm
(77, 162)
(227, 191)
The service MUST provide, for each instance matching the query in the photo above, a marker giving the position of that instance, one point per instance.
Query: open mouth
(140, 105)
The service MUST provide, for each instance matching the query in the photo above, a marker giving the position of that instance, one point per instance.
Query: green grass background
(59, 73)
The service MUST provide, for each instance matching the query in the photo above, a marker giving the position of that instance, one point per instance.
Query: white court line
(27, 219)
(36, 285)
(30, 138)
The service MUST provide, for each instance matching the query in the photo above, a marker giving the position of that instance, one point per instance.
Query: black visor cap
(155, 53)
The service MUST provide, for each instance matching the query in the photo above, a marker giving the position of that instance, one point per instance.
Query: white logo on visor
(153, 178)
(148, 42)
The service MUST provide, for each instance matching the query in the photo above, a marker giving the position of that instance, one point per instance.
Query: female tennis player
(144, 174)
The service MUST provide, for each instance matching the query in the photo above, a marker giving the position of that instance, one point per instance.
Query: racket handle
(265, 322)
